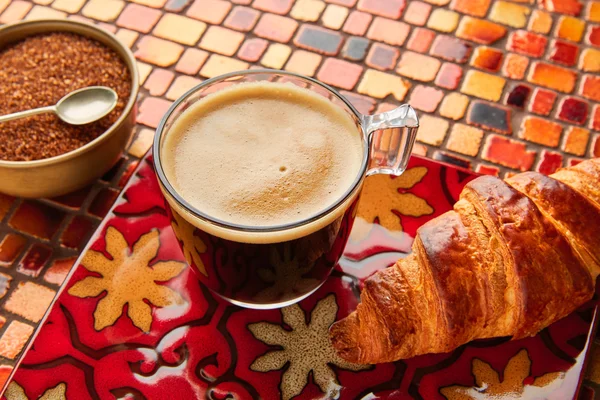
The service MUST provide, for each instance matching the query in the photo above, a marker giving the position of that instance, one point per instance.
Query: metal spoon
(78, 107)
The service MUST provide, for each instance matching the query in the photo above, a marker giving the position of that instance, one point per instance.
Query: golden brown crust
(496, 266)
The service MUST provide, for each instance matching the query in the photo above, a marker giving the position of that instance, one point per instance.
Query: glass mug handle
(391, 135)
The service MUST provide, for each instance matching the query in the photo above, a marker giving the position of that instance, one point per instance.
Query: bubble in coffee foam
(262, 154)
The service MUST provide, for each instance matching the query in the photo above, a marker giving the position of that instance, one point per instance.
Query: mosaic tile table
(502, 86)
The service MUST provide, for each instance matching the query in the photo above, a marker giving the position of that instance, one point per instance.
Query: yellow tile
(142, 143)
(380, 85)
(151, 3)
(540, 22)
(418, 66)
(334, 16)
(221, 40)
(70, 6)
(217, 65)
(454, 106)
(432, 130)
(276, 56)
(438, 2)
(307, 10)
(41, 12)
(103, 10)
(304, 62)
(570, 28)
(43, 2)
(4, 4)
(590, 60)
(179, 29)
(485, 86)
(465, 139)
(443, 20)
(144, 70)
(510, 14)
(128, 37)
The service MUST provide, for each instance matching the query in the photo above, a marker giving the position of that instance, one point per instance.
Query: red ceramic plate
(132, 322)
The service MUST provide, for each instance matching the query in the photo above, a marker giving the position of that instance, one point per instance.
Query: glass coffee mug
(269, 267)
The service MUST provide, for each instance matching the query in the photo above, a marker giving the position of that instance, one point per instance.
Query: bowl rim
(76, 27)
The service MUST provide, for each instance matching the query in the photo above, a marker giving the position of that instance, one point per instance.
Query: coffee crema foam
(262, 154)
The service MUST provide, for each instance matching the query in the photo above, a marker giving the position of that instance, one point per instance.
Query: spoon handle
(28, 113)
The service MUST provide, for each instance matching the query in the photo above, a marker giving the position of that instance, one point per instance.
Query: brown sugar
(37, 72)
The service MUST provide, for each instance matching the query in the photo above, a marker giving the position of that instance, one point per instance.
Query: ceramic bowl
(73, 170)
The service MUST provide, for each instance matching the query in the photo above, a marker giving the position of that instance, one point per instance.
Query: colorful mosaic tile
(476, 69)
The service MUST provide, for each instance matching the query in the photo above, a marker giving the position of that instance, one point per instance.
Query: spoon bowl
(86, 105)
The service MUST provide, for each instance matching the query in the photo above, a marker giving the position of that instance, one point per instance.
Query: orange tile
(418, 66)
(307, 10)
(515, 66)
(510, 14)
(432, 130)
(179, 29)
(14, 338)
(221, 40)
(487, 58)
(217, 65)
(303, 62)
(417, 13)
(388, 31)
(275, 27)
(570, 28)
(211, 11)
(476, 8)
(30, 301)
(593, 11)
(540, 131)
(552, 76)
(181, 85)
(15, 11)
(590, 87)
(540, 22)
(380, 85)
(479, 30)
(465, 139)
(570, 7)
(576, 140)
(527, 43)
(454, 106)
(590, 60)
(158, 51)
(102, 10)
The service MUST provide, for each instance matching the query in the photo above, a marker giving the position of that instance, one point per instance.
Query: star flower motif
(513, 386)
(306, 347)
(128, 278)
(185, 235)
(381, 195)
(14, 391)
(285, 277)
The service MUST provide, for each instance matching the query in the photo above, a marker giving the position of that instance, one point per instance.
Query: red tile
(590, 87)
(564, 53)
(508, 152)
(527, 43)
(417, 13)
(487, 170)
(573, 110)
(385, 8)
(6, 202)
(388, 31)
(425, 98)
(382, 57)
(318, 40)
(127, 173)
(252, 49)
(37, 219)
(242, 18)
(487, 58)
(593, 36)
(35, 259)
(540, 131)
(139, 18)
(340, 73)
(275, 27)
(477, 8)
(73, 200)
(159, 81)
(420, 40)
(103, 202)
(479, 30)
(274, 6)
(596, 147)
(11, 247)
(542, 102)
(574, 161)
(77, 233)
(453, 159)
(449, 76)
(549, 162)
(595, 120)
(152, 110)
(518, 96)
(357, 23)
(571, 7)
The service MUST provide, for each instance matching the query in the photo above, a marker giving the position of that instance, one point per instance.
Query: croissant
(511, 258)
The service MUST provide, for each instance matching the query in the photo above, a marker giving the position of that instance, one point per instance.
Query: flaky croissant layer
(513, 257)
